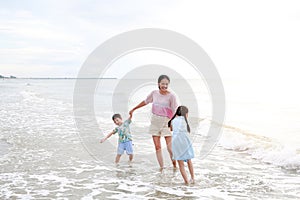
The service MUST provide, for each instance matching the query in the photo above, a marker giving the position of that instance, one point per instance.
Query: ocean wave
(29, 96)
(283, 156)
(261, 148)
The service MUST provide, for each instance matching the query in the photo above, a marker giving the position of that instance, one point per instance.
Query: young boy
(125, 138)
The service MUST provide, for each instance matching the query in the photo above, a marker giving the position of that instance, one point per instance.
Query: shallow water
(43, 156)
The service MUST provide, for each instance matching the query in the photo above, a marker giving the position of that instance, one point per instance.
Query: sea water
(44, 156)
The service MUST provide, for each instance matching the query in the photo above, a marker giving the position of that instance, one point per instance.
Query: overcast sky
(245, 39)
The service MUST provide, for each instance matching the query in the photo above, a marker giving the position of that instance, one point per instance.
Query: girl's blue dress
(181, 145)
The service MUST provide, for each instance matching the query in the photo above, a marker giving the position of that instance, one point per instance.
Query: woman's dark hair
(161, 77)
(181, 111)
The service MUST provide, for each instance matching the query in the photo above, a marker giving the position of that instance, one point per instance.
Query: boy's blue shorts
(122, 146)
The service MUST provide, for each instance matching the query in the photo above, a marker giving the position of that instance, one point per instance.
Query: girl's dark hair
(181, 111)
(161, 77)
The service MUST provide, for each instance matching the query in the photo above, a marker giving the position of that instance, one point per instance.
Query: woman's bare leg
(169, 147)
(157, 144)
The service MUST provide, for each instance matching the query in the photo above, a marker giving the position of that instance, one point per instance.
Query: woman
(164, 105)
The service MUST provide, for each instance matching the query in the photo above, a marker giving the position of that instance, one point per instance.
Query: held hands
(102, 140)
(137, 107)
(131, 113)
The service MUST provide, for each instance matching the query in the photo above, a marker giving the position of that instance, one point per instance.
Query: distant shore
(10, 77)
(50, 78)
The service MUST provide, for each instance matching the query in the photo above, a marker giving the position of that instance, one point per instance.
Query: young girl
(181, 145)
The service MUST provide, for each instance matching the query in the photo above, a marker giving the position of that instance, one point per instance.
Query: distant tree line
(7, 77)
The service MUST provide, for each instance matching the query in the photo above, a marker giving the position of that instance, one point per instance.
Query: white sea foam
(261, 148)
(281, 156)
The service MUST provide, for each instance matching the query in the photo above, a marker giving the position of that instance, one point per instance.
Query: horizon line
(56, 78)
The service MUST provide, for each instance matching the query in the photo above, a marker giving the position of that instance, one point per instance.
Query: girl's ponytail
(169, 122)
(187, 124)
(181, 111)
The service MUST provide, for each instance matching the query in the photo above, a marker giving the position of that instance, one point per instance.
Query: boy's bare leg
(130, 157)
(182, 171)
(191, 169)
(118, 158)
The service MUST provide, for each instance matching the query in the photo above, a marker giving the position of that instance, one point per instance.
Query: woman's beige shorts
(159, 126)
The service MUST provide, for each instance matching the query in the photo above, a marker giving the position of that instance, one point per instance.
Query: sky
(53, 38)
(245, 39)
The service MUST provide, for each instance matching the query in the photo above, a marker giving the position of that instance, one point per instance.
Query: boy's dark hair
(116, 116)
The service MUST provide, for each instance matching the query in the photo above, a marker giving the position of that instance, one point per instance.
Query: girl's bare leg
(182, 171)
(157, 144)
(191, 169)
(169, 147)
